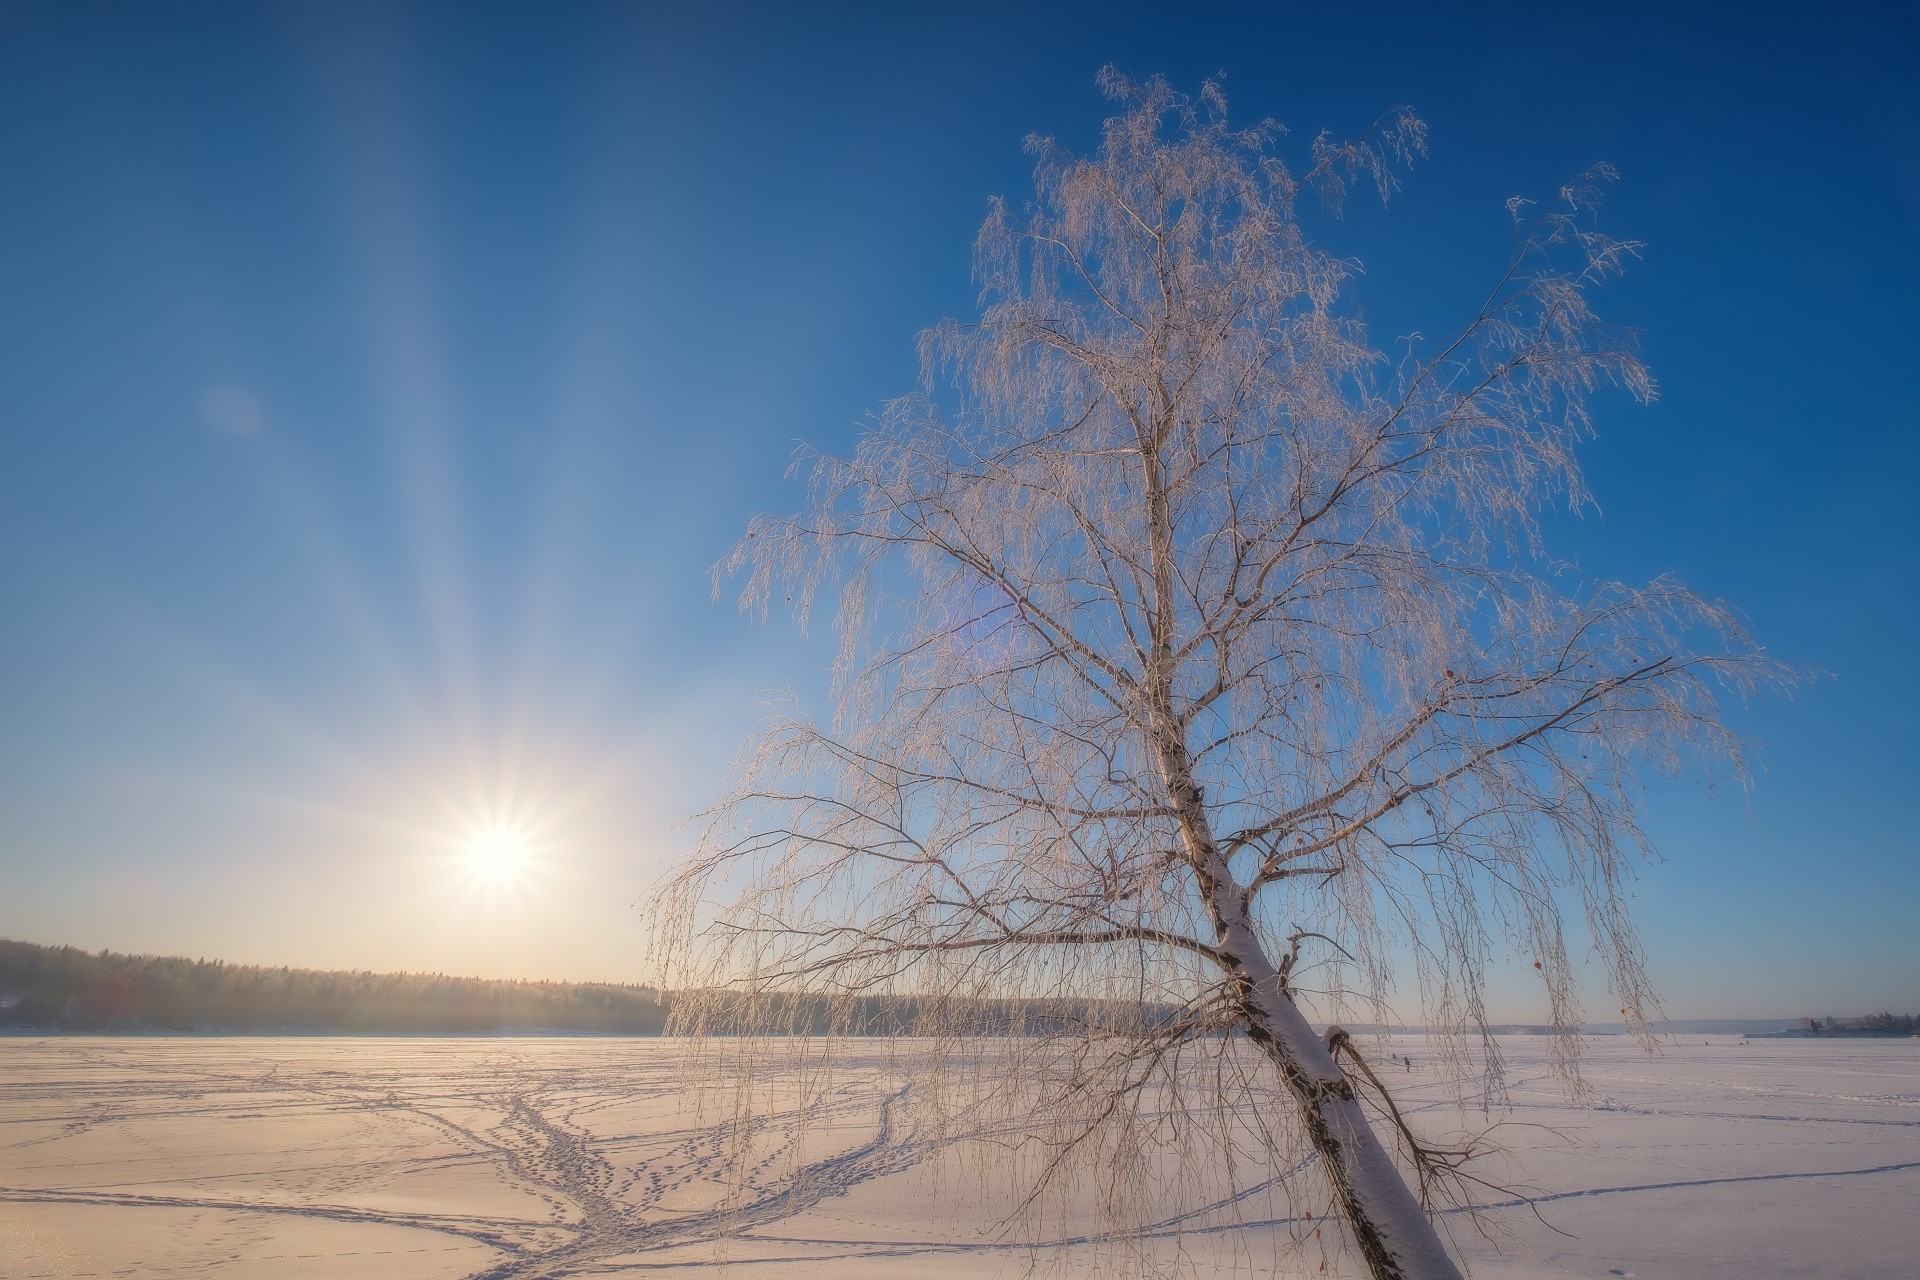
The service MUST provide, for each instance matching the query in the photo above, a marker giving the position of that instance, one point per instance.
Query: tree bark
(1395, 1236)
(1393, 1233)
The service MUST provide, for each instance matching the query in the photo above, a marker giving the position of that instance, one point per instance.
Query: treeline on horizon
(1874, 1024)
(60, 988)
(65, 988)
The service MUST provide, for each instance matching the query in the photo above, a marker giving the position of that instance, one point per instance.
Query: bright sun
(497, 854)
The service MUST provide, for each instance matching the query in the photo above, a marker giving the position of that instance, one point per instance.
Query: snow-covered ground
(424, 1158)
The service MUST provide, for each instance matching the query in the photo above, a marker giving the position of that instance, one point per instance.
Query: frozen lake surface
(415, 1158)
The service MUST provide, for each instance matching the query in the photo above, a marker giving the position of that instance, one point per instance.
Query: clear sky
(377, 386)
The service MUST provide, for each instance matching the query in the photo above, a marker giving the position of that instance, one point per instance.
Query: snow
(410, 1158)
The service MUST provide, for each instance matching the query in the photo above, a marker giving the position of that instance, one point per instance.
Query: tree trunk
(1394, 1234)
(1392, 1231)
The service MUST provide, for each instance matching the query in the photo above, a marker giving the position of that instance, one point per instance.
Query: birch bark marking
(1392, 1232)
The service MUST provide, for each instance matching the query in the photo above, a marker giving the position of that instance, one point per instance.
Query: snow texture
(408, 1158)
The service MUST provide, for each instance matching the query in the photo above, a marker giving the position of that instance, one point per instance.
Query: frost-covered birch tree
(1202, 669)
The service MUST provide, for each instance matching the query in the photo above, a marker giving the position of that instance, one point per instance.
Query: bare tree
(1190, 643)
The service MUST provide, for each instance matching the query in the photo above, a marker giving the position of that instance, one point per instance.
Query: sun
(497, 855)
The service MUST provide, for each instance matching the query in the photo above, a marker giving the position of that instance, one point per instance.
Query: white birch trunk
(1392, 1231)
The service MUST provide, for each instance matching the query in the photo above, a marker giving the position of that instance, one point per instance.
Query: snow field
(418, 1158)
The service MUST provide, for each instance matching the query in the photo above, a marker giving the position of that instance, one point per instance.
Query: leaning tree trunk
(1393, 1232)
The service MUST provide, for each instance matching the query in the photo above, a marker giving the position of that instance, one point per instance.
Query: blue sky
(377, 386)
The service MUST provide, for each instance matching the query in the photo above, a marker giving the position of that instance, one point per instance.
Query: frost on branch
(1178, 619)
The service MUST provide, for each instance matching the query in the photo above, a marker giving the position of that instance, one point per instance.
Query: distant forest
(65, 988)
(1874, 1024)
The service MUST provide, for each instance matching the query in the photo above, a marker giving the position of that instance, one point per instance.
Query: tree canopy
(1198, 651)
